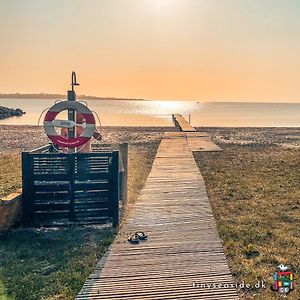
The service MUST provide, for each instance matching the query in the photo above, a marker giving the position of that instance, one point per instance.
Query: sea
(159, 113)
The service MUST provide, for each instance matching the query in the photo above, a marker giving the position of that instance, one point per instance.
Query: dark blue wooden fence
(62, 189)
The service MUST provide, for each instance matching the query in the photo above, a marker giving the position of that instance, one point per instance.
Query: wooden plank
(50, 186)
(91, 213)
(91, 186)
(92, 204)
(41, 149)
(115, 188)
(183, 245)
(91, 176)
(27, 199)
(51, 206)
(50, 177)
(51, 196)
(183, 124)
(123, 176)
(200, 142)
(92, 194)
(72, 158)
(197, 141)
(41, 216)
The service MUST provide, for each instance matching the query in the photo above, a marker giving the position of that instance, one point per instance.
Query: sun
(162, 7)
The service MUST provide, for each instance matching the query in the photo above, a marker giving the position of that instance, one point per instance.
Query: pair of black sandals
(137, 237)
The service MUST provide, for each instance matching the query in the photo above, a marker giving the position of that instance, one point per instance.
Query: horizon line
(92, 97)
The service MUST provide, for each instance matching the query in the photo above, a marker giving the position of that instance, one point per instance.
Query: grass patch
(141, 158)
(10, 174)
(50, 264)
(255, 196)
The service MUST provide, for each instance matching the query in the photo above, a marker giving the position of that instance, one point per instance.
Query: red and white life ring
(49, 122)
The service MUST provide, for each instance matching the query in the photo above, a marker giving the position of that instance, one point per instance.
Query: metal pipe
(71, 112)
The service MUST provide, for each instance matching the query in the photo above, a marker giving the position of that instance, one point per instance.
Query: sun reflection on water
(166, 107)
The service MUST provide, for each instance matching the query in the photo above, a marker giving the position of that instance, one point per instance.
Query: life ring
(50, 123)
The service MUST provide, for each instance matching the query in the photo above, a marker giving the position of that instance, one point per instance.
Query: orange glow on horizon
(153, 49)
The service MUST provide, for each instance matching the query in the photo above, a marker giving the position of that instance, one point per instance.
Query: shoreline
(16, 96)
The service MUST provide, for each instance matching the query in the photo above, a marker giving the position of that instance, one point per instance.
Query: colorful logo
(283, 280)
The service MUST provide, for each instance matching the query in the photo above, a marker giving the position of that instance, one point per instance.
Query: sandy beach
(15, 139)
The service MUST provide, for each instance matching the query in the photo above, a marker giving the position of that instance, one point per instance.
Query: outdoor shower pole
(71, 112)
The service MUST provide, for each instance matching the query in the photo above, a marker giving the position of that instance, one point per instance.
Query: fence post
(71, 158)
(115, 187)
(27, 190)
(124, 175)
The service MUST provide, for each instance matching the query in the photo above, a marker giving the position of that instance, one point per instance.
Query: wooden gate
(60, 189)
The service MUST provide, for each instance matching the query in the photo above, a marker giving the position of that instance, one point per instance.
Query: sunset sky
(204, 50)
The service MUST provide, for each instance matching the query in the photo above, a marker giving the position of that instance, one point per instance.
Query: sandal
(134, 239)
(137, 237)
(141, 235)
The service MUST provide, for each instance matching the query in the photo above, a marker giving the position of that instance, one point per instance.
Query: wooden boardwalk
(183, 247)
(201, 141)
(197, 141)
(184, 125)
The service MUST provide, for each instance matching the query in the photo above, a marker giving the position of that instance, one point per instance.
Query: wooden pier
(183, 256)
(184, 125)
(201, 141)
(197, 141)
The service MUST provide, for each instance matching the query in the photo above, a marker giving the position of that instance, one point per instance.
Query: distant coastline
(59, 96)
